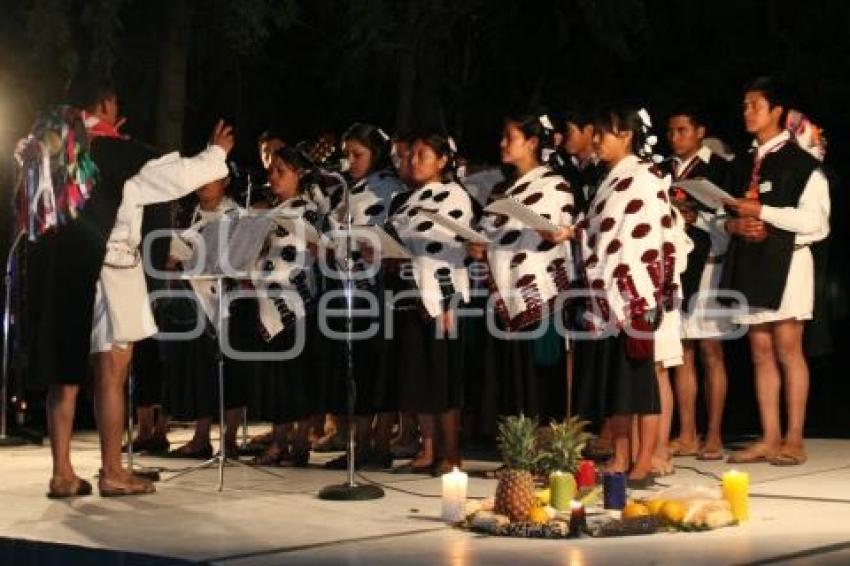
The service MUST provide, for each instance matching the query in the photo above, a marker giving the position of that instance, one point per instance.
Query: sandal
(661, 467)
(61, 490)
(191, 452)
(269, 458)
(643, 483)
(446, 467)
(137, 486)
(296, 459)
(753, 454)
(790, 456)
(680, 450)
(410, 468)
(710, 454)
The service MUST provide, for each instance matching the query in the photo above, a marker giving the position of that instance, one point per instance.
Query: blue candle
(614, 490)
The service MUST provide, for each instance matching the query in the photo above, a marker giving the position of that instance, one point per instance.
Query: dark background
(303, 67)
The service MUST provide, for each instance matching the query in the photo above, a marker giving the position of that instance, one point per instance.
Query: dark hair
(578, 117)
(376, 140)
(441, 145)
(298, 159)
(269, 135)
(692, 112)
(531, 126)
(772, 91)
(86, 92)
(618, 119)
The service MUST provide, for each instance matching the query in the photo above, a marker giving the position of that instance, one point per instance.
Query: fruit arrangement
(694, 514)
(515, 495)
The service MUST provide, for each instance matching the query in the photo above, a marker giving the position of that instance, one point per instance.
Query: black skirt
(191, 372)
(429, 370)
(293, 389)
(148, 373)
(372, 360)
(609, 383)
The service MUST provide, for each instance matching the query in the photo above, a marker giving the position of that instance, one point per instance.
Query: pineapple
(515, 495)
(564, 444)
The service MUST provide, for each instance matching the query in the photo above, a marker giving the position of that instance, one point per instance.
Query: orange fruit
(634, 510)
(655, 505)
(673, 512)
(538, 515)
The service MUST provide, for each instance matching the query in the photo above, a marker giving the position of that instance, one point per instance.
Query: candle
(454, 495)
(563, 490)
(578, 519)
(736, 490)
(614, 490)
(586, 474)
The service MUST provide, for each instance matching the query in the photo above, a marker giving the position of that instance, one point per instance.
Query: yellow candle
(454, 495)
(736, 490)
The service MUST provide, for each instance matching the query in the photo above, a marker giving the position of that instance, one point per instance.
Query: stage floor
(799, 515)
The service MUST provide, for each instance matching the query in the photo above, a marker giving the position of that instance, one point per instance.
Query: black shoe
(644, 483)
(409, 468)
(376, 462)
(204, 453)
(341, 463)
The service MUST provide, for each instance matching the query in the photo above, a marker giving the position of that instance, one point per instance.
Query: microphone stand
(5, 439)
(351, 490)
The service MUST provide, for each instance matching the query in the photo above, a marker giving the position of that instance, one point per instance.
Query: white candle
(454, 495)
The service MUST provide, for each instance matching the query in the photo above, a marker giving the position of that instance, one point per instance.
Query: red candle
(586, 474)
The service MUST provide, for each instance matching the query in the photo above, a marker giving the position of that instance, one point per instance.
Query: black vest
(69, 266)
(590, 177)
(715, 170)
(759, 270)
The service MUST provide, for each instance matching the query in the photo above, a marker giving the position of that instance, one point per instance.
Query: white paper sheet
(456, 227)
(519, 211)
(704, 191)
(389, 247)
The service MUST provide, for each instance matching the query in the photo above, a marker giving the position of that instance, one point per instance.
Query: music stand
(248, 250)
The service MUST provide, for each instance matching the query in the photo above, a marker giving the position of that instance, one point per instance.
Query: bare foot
(662, 466)
(683, 446)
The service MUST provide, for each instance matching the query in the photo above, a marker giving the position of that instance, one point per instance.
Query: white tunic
(809, 220)
(122, 313)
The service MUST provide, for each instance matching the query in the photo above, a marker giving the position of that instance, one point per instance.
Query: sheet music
(231, 245)
(390, 248)
(479, 185)
(519, 211)
(464, 232)
(704, 191)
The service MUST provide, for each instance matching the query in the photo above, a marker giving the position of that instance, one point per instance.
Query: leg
(767, 392)
(110, 378)
(145, 416)
(233, 420)
(661, 460)
(686, 397)
(788, 341)
(61, 405)
(767, 382)
(649, 426)
(716, 384)
(426, 451)
(621, 429)
(449, 423)
(383, 434)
